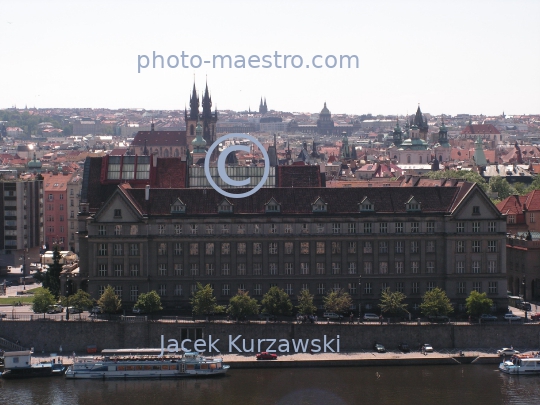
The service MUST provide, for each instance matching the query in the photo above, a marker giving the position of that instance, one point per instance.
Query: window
(178, 290)
(399, 286)
(162, 249)
(178, 248)
(209, 248)
(134, 270)
(225, 289)
(460, 246)
(102, 249)
(431, 285)
(162, 269)
(209, 269)
(305, 228)
(492, 246)
(134, 249)
(273, 229)
(531, 217)
(336, 248)
(288, 228)
(209, 229)
(351, 227)
(134, 293)
(384, 286)
(225, 248)
(492, 226)
(118, 291)
(398, 247)
(320, 288)
(257, 289)
(336, 268)
(367, 288)
(415, 267)
(336, 228)
(430, 267)
(51, 198)
(399, 267)
(367, 227)
(415, 227)
(319, 206)
(178, 269)
(194, 269)
(383, 247)
(118, 270)
(476, 227)
(241, 229)
(383, 267)
(193, 229)
(415, 247)
(511, 219)
(430, 226)
(320, 248)
(118, 230)
(399, 227)
(117, 247)
(102, 230)
(493, 287)
(337, 287)
(352, 288)
(273, 248)
(476, 210)
(257, 248)
(161, 229)
(225, 229)
(368, 267)
(256, 228)
(460, 267)
(492, 266)
(430, 246)
(304, 248)
(475, 267)
(101, 289)
(415, 289)
(352, 268)
(225, 269)
(241, 269)
(304, 268)
(368, 247)
(257, 269)
(102, 270)
(460, 227)
(351, 249)
(241, 248)
(320, 228)
(289, 269)
(272, 268)
(461, 287)
(225, 208)
(476, 246)
(288, 248)
(134, 230)
(477, 286)
(383, 227)
(193, 249)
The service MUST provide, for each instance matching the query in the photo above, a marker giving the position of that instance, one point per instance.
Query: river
(414, 385)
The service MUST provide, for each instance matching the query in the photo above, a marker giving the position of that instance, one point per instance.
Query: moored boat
(521, 364)
(19, 365)
(145, 363)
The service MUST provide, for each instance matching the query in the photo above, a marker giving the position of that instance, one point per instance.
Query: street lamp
(524, 284)
(359, 297)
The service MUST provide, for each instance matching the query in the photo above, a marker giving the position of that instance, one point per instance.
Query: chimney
(147, 192)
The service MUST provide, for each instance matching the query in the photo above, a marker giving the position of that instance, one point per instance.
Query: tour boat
(522, 364)
(145, 363)
(19, 365)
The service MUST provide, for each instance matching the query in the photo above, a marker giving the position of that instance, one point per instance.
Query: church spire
(207, 103)
(194, 104)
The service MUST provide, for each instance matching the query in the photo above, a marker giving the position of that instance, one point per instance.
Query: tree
(466, 175)
(109, 301)
(305, 303)
(277, 302)
(51, 278)
(478, 304)
(80, 300)
(500, 185)
(149, 302)
(242, 305)
(203, 301)
(392, 303)
(43, 299)
(436, 302)
(337, 301)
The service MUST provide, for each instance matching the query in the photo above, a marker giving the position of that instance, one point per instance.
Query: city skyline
(469, 58)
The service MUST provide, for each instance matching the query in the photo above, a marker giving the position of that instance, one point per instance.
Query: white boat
(145, 363)
(522, 364)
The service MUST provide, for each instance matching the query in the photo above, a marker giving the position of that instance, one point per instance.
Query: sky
(452, 57)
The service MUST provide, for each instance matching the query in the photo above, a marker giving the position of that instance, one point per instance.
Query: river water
(414, 385)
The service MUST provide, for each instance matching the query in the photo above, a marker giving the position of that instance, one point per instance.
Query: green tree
(337, 301)
(109, 301)
(42, 300)
(242, 305)
(436, 302)
(478, 303)
(277, 302)
(467, 175)
(392, 303)
(305, 303)
(51, 278)
(203, 301)
(500, 185)
(81, 300)
(149, 302)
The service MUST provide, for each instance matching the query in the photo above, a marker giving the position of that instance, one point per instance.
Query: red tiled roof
(479, 129)
(511, 205)
(298, 176)
(160, 138)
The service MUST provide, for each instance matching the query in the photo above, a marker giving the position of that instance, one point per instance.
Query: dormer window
(178, 207)
(272, 206)
(319, 206)
(366, 206)
(225, 207)
(476, 210)
(413, 205)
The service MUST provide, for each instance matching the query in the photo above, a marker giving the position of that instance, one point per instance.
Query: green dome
(199, 141)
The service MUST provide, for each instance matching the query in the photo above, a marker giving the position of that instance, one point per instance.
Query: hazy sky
(449, 56)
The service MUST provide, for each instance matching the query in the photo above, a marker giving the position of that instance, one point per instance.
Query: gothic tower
(209, 119)
(192, 117)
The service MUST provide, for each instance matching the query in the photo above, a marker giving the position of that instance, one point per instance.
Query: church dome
(199, 141)
(325, 110)
(34, 164)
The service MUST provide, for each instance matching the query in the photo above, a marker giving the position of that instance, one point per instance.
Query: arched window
(440, 158)
(176, 153)
(420, 159)
(408, 158)
(191, 130)
(166, 153)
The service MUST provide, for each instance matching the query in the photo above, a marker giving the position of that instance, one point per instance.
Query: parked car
(371, 317)
(487, 317)
(404, 347)
(3, 314)
(55, 309)
(535, 316)
(427, 348)
(512, 317)
(332, 315)
(526, 306)
(507, 351)
(138, 311)
(266, 356)
(73, 310)
(95, 310)
(379, 348)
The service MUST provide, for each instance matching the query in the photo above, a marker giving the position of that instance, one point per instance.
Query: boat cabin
(20, 359)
